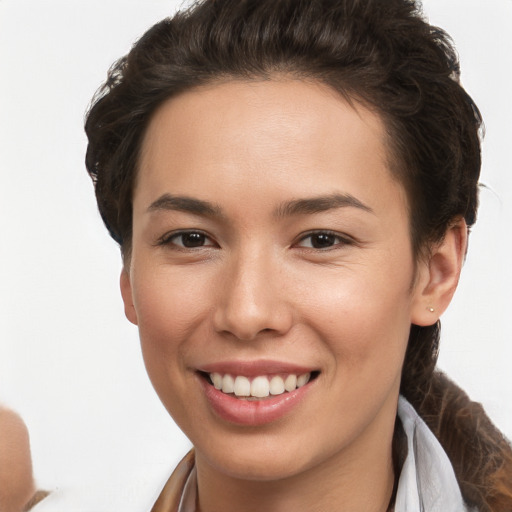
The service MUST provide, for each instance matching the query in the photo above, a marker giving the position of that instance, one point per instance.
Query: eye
(187, 240)
(322, 240)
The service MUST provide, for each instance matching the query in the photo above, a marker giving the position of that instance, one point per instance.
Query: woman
(291, 184)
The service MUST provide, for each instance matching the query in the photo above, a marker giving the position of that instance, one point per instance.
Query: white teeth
(303, 379)
(276, 386)
(217, 380)
(242, 386)
(228, 384)
(290, 383)
(260, 387)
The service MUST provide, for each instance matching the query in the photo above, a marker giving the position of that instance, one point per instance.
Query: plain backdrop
(69, 361)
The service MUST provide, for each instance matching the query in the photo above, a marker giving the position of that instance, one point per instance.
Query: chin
(259, 456)
(257, 465)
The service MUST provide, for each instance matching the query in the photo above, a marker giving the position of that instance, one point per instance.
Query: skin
(257, 288)
(16, 480)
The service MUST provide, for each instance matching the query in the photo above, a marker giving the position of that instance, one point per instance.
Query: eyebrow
(305, 206)
(168, 202)
(320, 204)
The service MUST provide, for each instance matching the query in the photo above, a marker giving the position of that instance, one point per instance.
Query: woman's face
(270, 241)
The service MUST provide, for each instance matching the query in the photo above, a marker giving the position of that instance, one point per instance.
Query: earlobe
(126, 293)
(438, 277)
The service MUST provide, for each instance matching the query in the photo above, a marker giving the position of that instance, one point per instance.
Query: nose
(252, 299)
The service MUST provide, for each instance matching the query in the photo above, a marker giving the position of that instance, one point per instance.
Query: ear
(126, 293)
(438, 276)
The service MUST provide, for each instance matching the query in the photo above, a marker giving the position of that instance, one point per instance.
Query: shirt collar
(427, 481)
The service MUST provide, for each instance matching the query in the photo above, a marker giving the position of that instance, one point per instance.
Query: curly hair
(383, 55)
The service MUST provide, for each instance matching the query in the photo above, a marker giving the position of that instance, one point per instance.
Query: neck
(359, 478)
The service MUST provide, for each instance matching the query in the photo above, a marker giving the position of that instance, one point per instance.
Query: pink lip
(254, 368)
(253, 412)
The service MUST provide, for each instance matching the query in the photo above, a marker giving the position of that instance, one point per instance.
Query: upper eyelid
(342, 236)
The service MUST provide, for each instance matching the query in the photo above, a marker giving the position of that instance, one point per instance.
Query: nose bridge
(250, 301)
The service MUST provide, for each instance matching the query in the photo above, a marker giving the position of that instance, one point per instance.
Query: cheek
(170, 310)
(364, 316)
(171, 306)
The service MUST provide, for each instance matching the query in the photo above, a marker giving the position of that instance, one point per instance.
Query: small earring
(431, 309)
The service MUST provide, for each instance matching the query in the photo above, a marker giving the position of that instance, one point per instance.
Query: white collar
(427, 482)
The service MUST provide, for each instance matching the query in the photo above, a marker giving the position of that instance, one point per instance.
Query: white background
(69, 361)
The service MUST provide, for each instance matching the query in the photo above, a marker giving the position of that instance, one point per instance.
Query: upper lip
(255, 368)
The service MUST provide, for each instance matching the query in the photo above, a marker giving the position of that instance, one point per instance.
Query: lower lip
(253, 412)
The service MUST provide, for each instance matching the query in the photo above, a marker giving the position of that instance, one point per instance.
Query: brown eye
(322, 240)
(192, 239)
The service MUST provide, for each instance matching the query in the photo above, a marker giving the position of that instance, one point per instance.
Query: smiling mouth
(259, 387)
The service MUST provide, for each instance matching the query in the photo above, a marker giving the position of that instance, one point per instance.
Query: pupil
(193, 240)
(322, 240)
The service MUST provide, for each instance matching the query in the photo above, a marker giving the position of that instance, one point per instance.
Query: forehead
(286, 135)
